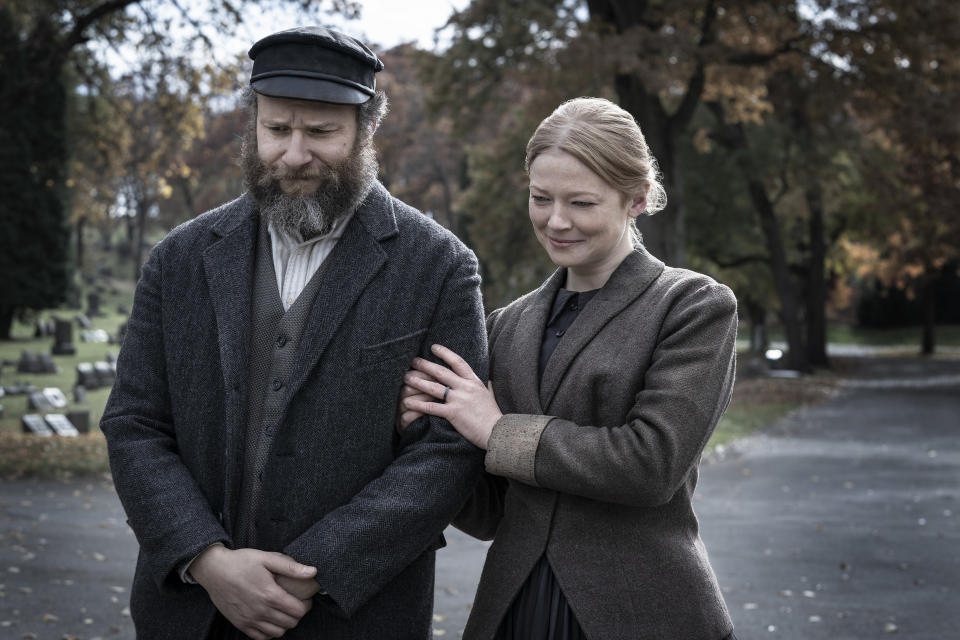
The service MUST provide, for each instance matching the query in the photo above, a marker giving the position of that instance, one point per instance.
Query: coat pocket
(397, 347)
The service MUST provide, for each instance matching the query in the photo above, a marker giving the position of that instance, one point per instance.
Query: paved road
(841, 522)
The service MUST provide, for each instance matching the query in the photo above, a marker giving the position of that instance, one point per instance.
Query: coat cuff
(512, 448)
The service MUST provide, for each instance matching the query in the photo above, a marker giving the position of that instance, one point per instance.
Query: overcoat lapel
(637, 271)
(228, 264)
(349, 268)
(526, 347)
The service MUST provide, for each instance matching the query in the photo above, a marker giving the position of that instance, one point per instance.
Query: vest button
(281, 340)
(277, 384)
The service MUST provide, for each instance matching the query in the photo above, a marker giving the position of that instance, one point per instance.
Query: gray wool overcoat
(342, 491)
(597, 465)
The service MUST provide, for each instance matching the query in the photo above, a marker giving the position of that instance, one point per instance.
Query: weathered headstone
(80, 419)
(36, 401)
(47, 365)
(93, 304)
(83, 321)
(79, 394)
(55, 397)
(34, 423)
(29, 363)
(60, 425)
(121, 332)
(105, 372)
(87, 376)
(63, 340)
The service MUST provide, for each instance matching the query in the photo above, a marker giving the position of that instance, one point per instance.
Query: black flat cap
(314, 63)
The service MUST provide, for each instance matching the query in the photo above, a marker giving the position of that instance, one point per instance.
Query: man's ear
(373, 128)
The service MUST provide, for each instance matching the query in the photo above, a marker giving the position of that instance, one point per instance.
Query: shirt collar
(297, 242)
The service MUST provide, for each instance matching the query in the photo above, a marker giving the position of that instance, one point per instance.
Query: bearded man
(251, 428)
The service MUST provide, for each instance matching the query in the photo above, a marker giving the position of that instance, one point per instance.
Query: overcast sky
(383, 22)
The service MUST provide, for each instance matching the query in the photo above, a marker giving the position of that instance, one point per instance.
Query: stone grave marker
(47, 365)
(93, 304)
(36, 401)
(63, 340)
(83, 321)
(79, 394)
(105, 372)
(87, 376)
(34, 423)
(80, 418)
(60, 425)
(55, 397)
(29, 362)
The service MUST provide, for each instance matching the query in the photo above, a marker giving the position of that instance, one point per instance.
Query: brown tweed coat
(597, 466)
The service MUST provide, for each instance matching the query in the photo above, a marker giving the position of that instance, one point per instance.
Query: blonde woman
(606, 383)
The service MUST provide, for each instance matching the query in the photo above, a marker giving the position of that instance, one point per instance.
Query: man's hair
(369, 114)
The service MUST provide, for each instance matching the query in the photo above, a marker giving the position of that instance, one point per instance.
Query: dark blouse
(540, 611)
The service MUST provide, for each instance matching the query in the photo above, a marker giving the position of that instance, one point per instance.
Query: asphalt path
(841, 521)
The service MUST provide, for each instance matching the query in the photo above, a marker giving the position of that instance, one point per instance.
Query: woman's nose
(558, 219)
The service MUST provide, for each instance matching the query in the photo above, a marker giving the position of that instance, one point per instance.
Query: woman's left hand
(464, 401)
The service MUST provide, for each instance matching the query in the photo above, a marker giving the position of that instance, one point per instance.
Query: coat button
(277, 384)
(281, 340)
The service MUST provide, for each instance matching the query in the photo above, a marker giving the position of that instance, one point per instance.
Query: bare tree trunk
(137, 253)
(817, 285)
(758, 325)
(928, 292)
(734, 138)
(81, 225)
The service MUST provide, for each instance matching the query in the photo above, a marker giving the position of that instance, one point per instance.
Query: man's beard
(343, 186)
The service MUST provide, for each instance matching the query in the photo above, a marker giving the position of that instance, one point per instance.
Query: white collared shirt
(295, 261)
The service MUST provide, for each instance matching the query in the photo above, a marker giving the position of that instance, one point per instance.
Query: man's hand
(303, 588)
(243, 585)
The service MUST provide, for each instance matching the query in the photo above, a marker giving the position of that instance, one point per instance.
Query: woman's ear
(639, 204)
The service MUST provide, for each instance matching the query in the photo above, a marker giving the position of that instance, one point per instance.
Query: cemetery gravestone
(55, 397)
(36, 401)
(28, 362)
(46, 363)
(83, 321)
(60, 425)
(105, 373)
(79, 394)
(93, 304)
(86, 376)
(33, 423)
(80, 419)
(63, 341)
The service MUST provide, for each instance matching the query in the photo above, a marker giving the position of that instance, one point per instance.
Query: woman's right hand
(406, 416)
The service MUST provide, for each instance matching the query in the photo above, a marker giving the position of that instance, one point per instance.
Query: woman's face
(580, 220)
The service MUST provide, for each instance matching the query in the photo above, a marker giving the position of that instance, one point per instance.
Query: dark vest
(274, 344)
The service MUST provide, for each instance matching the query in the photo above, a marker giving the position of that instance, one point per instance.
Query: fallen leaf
(49, 617)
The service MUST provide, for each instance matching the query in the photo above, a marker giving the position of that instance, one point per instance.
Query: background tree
(40, 37)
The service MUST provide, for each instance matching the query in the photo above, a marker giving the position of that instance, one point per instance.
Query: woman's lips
(562, 243)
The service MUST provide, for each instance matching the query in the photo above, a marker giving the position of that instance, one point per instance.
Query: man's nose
(296, 154)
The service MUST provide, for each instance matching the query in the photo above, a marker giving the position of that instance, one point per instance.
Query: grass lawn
(947, 335)
(758, 402)
(22, 454)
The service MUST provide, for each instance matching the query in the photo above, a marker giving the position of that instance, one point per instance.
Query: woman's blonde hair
(608, 141)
